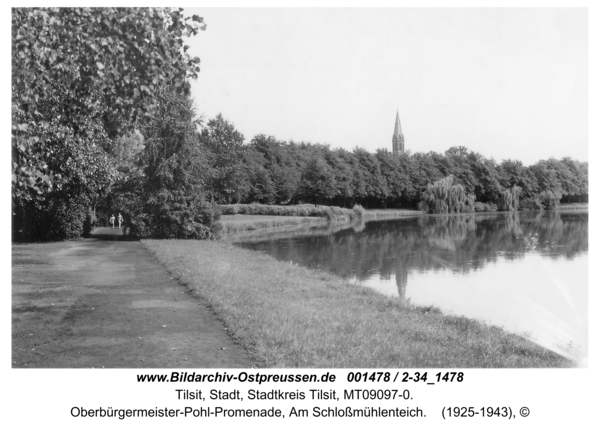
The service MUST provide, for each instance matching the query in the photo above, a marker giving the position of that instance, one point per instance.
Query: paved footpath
(103, 302)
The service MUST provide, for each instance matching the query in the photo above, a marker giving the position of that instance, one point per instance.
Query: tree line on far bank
(227, 170)
(102, 122)
(268, 171)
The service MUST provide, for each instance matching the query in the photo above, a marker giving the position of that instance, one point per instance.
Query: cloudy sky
(508, 83)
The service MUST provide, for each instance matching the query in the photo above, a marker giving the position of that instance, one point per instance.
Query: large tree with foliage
(80, 78)
(577, 186)
(279, 163)
(444, 197)
(317, 183)
(169, 202)
(229, 181)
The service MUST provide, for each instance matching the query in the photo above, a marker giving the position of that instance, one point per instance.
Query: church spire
(398, 138)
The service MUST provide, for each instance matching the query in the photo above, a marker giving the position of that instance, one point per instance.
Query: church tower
(398, 138)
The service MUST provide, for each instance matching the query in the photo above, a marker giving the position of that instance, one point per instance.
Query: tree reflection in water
(459, 243)
(492, 267)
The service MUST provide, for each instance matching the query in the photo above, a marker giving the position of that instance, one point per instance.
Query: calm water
(526, 272)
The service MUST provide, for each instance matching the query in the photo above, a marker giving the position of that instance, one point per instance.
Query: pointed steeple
(398, 138)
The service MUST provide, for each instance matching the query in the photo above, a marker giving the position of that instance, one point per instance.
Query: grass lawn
(240, 222)
(235, 223)
(390, 213)
(290, 316)
(573, 206)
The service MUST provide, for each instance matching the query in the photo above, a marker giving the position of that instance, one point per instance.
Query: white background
(554, 396)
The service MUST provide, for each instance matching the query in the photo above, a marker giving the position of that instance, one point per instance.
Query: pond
(526, 272)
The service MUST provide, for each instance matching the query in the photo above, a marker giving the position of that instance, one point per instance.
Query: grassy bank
(290, 316)
(322, 229)
(573, 206)
(242, 222)
(302, 210)
(236, 223)
(389, 213)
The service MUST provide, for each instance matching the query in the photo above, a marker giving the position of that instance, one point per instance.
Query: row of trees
(265, 170)
(270, 171)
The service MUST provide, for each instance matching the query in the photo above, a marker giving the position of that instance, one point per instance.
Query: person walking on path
(112, 220)
(120, 220)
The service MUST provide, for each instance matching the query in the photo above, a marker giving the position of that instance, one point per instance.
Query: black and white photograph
(390, 196)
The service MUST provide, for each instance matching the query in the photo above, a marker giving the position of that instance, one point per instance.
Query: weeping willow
(509, 198)
(443, 197)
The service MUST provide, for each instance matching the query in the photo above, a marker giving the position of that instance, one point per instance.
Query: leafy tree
(278, 161)
(547, 178)
(262, 189)
(341, 166)
(229, 181)
(126, 152)
(422, 171)
(514, 173)
(487, 176)
(80, 78)
(317, 182)
(444, 196)
(578, 189)
(460, 163)
(369, 171)
(72, 63)
(268, 147)
(566, 176)
(409, 195)
(80, 170)
(394, 174)
(509, 199)
(170, 202)
(286, 179)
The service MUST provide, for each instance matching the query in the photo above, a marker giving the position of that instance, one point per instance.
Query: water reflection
(535, 263)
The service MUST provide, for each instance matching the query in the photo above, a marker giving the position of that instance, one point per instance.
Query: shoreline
(237, 223)
(234, 224)
(242, 224)
(291, 316)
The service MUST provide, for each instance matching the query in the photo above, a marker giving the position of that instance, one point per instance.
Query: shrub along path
(102, 302)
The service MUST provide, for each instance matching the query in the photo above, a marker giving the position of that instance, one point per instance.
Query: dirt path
(100, 302)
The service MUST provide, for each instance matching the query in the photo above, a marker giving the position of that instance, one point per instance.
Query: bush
(485, 207)
(315, 211)
(176, 218)
(531, 203)
(303, 210)
(337, 211)
(359, 211)
(549, 199)
(277, 210)
(228, 209)
(329, 213)
(48, 220)
(68, 221)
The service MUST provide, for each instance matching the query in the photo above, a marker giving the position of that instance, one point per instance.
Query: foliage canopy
(72, 66)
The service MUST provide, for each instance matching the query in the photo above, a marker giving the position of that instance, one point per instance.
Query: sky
(508, 83)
